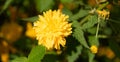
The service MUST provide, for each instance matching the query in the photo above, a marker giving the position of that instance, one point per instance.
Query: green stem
(98, 25)
(84, 20)
(97, 30)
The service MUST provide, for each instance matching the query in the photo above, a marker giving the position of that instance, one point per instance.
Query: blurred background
(17, 36)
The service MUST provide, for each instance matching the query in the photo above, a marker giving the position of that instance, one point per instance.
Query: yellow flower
(103, 14)
(52, 28)
(94, 49)
(30, 32)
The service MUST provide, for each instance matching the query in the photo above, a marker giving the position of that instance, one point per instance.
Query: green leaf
(7, 3)
(67, 12)
(43, 5)
(75, 24)
(92, 20)
(66, 1)
(102, 6)
(75, 55)
(92, 30)
(20, 59)
(37, 53)
(93, 40)
(102, 23)
(31, 19)
(80, 14)
(91, 56)
(79, 35)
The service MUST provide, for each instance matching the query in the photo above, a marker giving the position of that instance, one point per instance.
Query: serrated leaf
(20, 59)
(91, 56)
(37, 53)
(43, 5)
(80, 14)
(31, 19)
(93, 40)
(79, 35)
(92, 20)
(7, 3)
(67, 12)
(75, 24)
(75, 55)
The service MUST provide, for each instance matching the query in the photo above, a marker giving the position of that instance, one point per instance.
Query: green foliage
(102, 6)
(80, 14)
(74, 55)
(43, 5)
(90, 23)
(91, 56)
(79, 35)
(87, 30)
(67, 12)
(36, 54)
(93, 40)
(66, 1)
(31, 19)
(92, 30)
(7, 3)
(76, 24)
(20, 59)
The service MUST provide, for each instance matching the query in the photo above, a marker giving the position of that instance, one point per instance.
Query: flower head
(94, 49)
(52, 28)
(103, 14)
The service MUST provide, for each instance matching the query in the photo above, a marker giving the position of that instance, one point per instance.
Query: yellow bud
(103, 14)
(94, 49)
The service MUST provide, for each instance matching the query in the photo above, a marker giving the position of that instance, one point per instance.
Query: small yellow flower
(52, 28)
(94, 49)
(30, 32)
(103, 14)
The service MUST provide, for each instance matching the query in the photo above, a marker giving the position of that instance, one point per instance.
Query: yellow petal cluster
(30, 32)
(51, 29)
(94, 49)
(103, 14)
